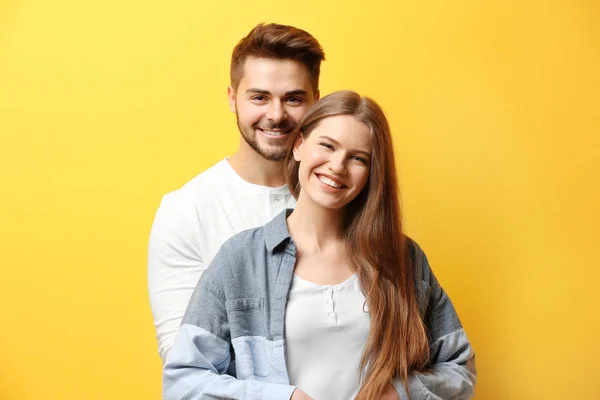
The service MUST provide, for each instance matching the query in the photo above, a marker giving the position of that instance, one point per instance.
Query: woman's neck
(315, 228)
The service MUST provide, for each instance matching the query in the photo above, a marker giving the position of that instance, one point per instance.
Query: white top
(190, 226)
(326, 329)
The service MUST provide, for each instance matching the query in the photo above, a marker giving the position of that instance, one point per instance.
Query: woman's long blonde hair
(376, 245)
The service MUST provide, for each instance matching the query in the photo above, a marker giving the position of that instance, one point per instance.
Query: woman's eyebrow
(366, 153)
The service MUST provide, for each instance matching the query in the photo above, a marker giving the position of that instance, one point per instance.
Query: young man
(274, 80)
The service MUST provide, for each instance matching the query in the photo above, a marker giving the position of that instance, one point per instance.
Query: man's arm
(174, 266)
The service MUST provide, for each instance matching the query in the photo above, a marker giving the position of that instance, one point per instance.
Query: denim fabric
(231, 342)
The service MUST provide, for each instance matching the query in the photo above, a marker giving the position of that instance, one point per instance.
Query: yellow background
(105, 106)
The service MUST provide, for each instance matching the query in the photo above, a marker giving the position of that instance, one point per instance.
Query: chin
(331, 205)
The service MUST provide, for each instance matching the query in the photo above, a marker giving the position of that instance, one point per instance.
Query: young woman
(332, 300)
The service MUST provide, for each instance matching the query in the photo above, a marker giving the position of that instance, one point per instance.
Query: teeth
(273, 133)
(329, 182)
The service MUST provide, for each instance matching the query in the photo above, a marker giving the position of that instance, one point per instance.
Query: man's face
(271, 99)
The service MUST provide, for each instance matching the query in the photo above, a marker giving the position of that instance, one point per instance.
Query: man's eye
(294, 100)
(259, 98)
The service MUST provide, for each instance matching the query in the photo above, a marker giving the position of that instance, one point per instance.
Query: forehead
(347, 130)
(275, 76)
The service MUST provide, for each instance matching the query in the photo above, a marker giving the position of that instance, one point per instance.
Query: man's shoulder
(214, 176)
(200, 187)
(184, 206)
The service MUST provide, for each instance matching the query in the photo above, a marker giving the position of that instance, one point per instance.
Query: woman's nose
(337, 164)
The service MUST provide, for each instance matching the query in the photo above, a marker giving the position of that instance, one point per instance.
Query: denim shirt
(231, 342)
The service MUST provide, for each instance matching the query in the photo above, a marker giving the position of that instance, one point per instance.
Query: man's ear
(297, 148)
(231, 99)
(318, 95)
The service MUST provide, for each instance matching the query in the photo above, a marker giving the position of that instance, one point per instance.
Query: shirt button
(277, 198)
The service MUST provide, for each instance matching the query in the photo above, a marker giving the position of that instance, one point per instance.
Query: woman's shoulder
(419, 260)
(233, 258)
(247, 238)
(260, 240)
(242, 264)
(243, 245)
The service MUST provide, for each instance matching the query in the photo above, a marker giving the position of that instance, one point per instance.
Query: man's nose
(276, 112)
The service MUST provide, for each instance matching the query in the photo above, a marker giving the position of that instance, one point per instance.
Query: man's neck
(253, 168)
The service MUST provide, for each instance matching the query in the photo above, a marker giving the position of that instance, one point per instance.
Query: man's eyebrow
(297, 92)
(257, 91)
(366, 153)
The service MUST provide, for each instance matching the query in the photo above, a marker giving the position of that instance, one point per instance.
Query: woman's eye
(326, 145)
(359, 159)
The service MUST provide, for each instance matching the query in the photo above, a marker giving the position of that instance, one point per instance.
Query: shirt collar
(276, 231)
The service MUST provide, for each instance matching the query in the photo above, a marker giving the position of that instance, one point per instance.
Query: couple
(328, 301)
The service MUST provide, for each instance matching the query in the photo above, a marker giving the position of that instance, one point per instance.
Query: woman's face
(335, 161)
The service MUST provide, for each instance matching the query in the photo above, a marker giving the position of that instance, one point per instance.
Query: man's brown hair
(280, 42)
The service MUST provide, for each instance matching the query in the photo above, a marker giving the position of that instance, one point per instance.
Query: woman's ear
(297, 148)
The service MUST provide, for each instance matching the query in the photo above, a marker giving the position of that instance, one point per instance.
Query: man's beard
(272, 153)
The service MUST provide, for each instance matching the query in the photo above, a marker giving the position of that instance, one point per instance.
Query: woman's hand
(390, 393)
(300, 395)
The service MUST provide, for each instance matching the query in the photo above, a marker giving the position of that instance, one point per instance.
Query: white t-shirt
(190, 226)
(326, 329)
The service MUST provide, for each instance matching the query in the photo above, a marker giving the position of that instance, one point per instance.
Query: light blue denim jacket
(231, 343)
